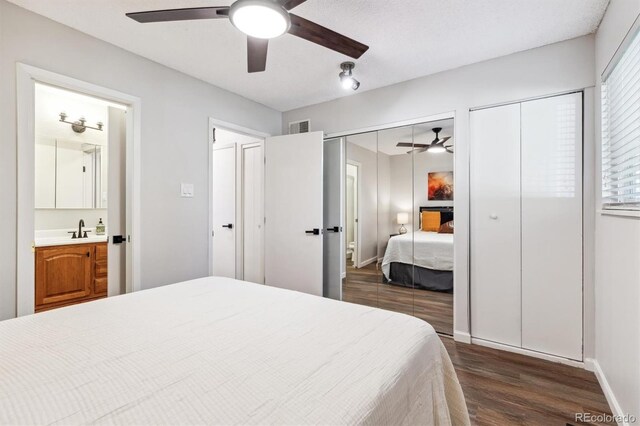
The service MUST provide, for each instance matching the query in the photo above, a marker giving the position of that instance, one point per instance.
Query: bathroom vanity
(69, 271)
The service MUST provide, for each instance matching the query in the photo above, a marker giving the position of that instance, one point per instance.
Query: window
(621, 129)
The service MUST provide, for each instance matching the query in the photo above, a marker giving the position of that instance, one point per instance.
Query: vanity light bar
(80, 126)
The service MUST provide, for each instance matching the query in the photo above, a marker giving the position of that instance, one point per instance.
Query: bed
(222, 351)
(420, 259)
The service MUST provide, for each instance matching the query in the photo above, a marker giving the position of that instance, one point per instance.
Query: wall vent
(299, 127)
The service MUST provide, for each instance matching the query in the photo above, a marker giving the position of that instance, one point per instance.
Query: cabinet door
(63, 274)
(495, 224)
(552, 225)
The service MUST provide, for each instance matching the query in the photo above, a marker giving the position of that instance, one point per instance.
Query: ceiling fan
(436, 146)
(261, 20)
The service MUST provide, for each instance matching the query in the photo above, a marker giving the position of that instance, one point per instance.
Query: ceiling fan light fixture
(263, 19)
(436, 149)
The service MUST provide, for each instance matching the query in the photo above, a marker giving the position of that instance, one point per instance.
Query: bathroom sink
(61, 237)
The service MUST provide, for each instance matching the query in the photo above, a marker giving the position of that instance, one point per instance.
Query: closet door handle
(314, 231)
(334, 229)
(230, 226)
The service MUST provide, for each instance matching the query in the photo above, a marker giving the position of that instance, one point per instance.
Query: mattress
(429, 250)
(222, 351)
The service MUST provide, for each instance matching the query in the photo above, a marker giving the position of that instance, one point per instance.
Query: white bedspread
(221, 351)
(429, 249)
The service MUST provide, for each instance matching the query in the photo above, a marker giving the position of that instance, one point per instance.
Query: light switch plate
(186, 190)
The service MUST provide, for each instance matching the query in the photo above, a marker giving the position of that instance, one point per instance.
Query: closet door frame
(214, 124)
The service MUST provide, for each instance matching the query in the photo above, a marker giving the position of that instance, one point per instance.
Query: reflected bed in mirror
(70, 174)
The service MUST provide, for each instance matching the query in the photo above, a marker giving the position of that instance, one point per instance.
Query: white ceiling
(385, 140)
(407, 39)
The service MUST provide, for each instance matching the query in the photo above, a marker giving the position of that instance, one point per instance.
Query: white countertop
(61, 237)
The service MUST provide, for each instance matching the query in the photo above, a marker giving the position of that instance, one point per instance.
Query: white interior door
(495, 224)
(552, 225)
(253, 213)
(223, 210)
(333, 165)
(116, 201)
(293, 211)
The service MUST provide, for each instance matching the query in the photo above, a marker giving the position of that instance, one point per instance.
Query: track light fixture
(346, 76)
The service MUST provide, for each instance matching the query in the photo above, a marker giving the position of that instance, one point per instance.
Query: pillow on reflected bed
(446, 228)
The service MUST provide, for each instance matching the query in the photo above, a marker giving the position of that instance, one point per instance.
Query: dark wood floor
(365, 287)
(501, 388)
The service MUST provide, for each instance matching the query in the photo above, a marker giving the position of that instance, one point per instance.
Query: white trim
(409, 122)
(622, 213)
(527, 352)
(27, 76)
(461, 336)
(592, 364)
(622, 48)
(219, 124)
(368, 262)
(532, 98)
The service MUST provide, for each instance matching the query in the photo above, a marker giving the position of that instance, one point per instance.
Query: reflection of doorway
(352, 242)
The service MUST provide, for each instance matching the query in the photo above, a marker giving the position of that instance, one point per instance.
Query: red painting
(440, 186)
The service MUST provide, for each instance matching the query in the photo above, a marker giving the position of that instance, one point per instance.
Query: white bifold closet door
(252, 213)
(293, 212)
(495, 224)
(552, 225)
(526, 225)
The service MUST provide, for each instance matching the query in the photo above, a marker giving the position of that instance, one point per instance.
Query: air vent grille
(299, 127)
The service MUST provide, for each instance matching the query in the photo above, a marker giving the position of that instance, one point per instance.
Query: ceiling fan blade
(257, 54)
(180, 14)
(404, 144)
(417, 150)
(290, 4)
(443, 140)
(318, 34)
(449, 150)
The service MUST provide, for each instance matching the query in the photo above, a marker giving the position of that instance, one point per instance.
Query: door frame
(26, 78)
(357, 189)
(213, 124)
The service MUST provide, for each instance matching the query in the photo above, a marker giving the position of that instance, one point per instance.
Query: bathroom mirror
(70, 175)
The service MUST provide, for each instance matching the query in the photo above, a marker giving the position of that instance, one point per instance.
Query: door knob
(493, 216)
(334, 229)
(230, 226)
(314, 231)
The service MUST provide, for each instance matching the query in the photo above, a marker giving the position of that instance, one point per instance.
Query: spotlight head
(346, 76)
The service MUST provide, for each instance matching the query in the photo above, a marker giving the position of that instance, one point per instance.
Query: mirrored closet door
(396, 241)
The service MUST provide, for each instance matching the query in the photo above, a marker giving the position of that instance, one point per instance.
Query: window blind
(621, 131)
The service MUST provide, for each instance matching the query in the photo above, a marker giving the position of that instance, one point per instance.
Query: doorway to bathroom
(77, 185)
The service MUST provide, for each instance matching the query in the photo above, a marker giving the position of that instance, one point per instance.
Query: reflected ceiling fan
(436, 146)
(261, 20)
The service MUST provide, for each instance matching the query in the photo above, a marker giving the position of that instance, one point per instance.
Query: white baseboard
(368, 262)
(527, 352)
(594, 366)
(461, 336)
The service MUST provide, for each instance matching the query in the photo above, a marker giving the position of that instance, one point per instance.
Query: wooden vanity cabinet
(70, 274)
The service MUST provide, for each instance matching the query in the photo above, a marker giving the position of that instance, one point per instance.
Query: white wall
(546, 70)
(175, 110)
(617, 280)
